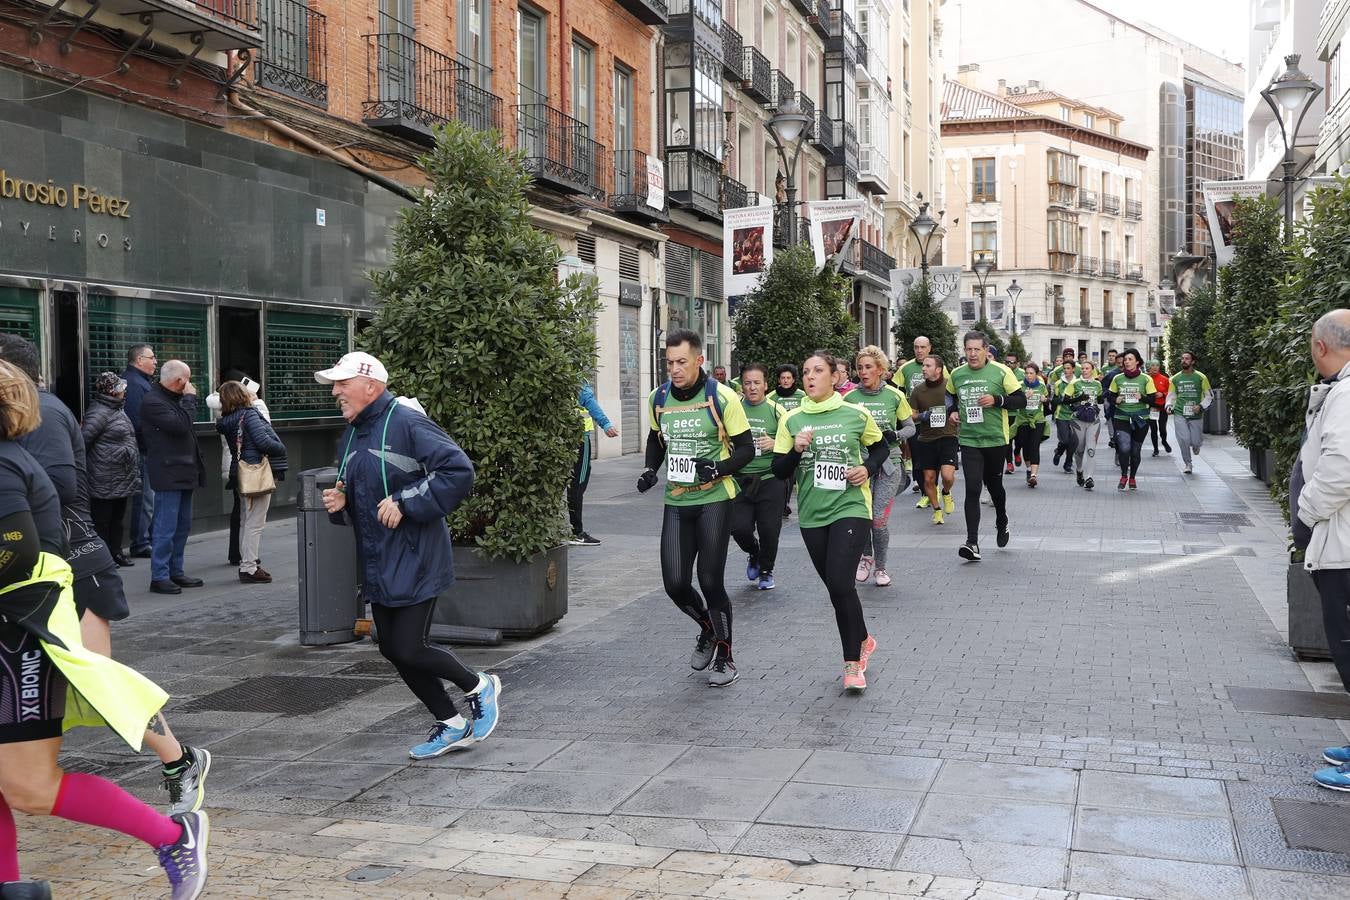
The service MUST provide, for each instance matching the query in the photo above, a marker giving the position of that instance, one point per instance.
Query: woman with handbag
(257, 462)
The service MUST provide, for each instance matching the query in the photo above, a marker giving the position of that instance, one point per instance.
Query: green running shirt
(791, 401)
(838, 438)
(1061, 387)
(763, 418)
(1084, 387)
(1132, 394)
(888, 406)
(981, 427)
(1034, 414)
(1190, 390)
(689, 432)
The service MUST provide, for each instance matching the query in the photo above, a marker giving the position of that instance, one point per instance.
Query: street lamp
(982, 267)
(1292, 92)
(1014, 291)
(922, 228)
(789, 126)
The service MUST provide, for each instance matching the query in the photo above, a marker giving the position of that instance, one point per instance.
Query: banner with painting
(834, 227)
(1220, 200)
(747, 247)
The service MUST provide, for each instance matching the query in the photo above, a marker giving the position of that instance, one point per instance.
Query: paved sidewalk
(1063, 717)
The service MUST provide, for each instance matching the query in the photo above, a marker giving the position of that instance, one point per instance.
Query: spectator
(112, 460)
(226, 463)
(1321, 511)
(249, 436)
(140, 369)
(175, 467)
(591, 414)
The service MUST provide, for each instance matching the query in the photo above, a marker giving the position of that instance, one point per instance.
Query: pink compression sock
(9, 844)
(94, 801)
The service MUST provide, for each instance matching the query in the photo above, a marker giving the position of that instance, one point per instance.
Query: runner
(985, 391)
(761, 496)
(1083, 398)
(51, 682)
(1189, 397)
(1111, 371)
(911, 376)
(1029, 423)
(1129, 394)
(788, 395)
(700, 433)
(1012, 459)
(720, 374)
(1063, 416)
(1157, 414)
(937, 447)
(842, 449)
(890, 410)
(842, 383)
(1054, 379)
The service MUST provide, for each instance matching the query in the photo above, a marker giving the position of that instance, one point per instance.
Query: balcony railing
(1111, 204)
(1084, 317)
(630, 192)
(876, 261)
(1108, 318)
(1134, 209)
(1059, 311)
(694, 182)
(1062, 195)
(805, 7)
(410, 87)
(477, 106)
(755, 78)
(1087, 199)
(1111, 268)
(239, 13)
(806, 105)
(294, 56)
(734, 194)
(1134, 272)
(819, 19)
(822, 135)
(781, 89)
(1087, 265)
(782, 222)
(733, 50)
(648, 12)
(557, 148)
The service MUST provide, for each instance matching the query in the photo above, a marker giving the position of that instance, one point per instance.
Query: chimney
(968, 74)
(1033, 86)
(1003, 87)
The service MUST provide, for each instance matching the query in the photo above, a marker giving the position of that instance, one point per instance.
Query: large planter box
(519, 599)
(1307, 633)
(1267, 465)
(1255, 459)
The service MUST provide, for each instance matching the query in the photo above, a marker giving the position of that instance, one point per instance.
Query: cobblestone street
(1065, 718)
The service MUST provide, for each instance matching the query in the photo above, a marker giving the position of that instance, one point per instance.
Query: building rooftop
(961, 102)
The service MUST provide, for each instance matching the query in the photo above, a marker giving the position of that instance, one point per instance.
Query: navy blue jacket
(260, 440)
(428, 477)
(169, 441)
(138, 385)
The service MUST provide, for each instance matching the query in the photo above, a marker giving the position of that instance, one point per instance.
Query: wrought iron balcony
(1084, 318)
(819, 18)
(694, 182)
(294, 56)
(756, 82)
(822, 135)
(781, 89)
(211, 25)
(475, 105)
(557, 148)
(806, 105)
(1111, 268)
(648, 12)
(1087, 265)
(630, 191)
(733, 50)
(1134, 209)
(1087, 199)
(876, 261)
(410, 87)
(1111, 204)
(846, 144)
(1134, 272)
(734, 194)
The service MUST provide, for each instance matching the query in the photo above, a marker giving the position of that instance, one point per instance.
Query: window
(693, 92)
(1089, 120)
(1108, 314)
(1063, 167)
(1108, 246)
(1084, 308)
(984, 241)
(1056, 346)
(1115, 129)
(1065, 112)
(623, 108)
(472, 40)
(982, 171)
(1129, 249)
(1106, 183)
(531, 61)
(1063, 232)
(1131, 192)
(583, 82)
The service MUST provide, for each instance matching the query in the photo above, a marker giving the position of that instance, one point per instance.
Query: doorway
(67, 359)
(239, 338)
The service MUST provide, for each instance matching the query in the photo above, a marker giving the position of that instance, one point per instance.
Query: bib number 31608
(831, 476)
(680, 469)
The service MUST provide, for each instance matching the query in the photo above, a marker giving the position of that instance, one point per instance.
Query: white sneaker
(864, 570)
(883, 580)
(1187, 470)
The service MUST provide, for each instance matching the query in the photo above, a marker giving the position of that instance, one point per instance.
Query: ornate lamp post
(923, 228)
(789, 126)
(1292, 92)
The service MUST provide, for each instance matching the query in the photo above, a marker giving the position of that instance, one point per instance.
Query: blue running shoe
(184, 860)
(483, 703)
(442, 739)
(1337, 756)
(1336, 778)
(752, 569)
(766, 581)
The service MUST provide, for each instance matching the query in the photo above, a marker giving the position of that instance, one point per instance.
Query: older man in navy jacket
(399, 476)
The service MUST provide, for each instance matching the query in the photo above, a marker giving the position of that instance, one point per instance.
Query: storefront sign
(77, 196)
(630, 293)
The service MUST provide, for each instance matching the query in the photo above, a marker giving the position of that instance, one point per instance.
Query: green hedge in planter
(474, 322)
(1186, 331)
(923, 316)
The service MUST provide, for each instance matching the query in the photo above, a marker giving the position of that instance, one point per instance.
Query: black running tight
(701, 533)
(403, 641)
(1129, 446)
(835, 550)
(1029, 443)
(983, 466)
(764, 515)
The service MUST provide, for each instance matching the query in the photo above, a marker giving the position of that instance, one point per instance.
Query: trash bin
(1216, 417)
(330, 602)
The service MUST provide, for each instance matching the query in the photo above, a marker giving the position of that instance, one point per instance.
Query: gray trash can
(1216, 417)
(330, 602)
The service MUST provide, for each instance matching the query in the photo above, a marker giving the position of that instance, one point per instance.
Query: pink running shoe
(864, 570)
(854, 679)
(869, 646)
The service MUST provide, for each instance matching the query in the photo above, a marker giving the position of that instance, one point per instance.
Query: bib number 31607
(680, 469)
(831, 476)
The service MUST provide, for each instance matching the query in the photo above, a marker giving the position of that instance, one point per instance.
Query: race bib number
(1129, 393)
(974, 414)
(680, 469)
(831, 476)
(1189, 410)
(1153, 415)
(755, 435)
(937, 417)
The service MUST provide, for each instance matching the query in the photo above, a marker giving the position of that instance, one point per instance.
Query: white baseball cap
(350, 366)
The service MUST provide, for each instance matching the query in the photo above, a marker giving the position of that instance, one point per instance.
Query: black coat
(111, 455)
(172, 456)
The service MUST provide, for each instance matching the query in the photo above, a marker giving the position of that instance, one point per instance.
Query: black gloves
(891, 438)
(646, 481)
(705, 470)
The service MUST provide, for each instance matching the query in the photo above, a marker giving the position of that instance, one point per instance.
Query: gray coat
(112, 460)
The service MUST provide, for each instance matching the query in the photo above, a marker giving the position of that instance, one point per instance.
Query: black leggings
(698, 532)
(107, 517)
(764, 515)
(1159, 428)
(1129, 446)
(1029, 443)
(403, 641)
(835, 550)
(988, 461)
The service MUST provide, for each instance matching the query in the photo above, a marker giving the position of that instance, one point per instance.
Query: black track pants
(698, 533)
(983, 466)
(756, 524)
(422, 665)
(835, 550)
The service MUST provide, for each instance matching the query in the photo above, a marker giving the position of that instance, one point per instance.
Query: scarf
(834, 401)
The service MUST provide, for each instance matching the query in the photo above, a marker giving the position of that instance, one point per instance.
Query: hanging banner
(656, 183)
(747, 247)
(945, 282)
(834, 226)
(1220, 200)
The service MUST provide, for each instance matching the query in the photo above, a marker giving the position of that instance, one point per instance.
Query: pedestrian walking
(174, 462)
(253, 442)
(835, 450)
(1189, 396)
(756, 522)
(399, 476)
(588, 408)
(112, 460)
(138, 375)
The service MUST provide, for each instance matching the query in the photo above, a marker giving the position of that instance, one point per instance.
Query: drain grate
(1215, 520)
(374, 668)
(1314, 826)
(1313, 704)
(291, 694)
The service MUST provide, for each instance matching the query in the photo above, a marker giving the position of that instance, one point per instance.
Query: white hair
(173, 370)
(1334, 329)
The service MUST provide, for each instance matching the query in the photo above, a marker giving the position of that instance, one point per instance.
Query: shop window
(175, 330)
(20, 313)
(298, 345)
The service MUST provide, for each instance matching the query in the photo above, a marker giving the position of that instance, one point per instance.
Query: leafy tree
(471, 292)
(1016, 346)
(1187, 330)
(923, 316)
(995, 342)
(794, 311)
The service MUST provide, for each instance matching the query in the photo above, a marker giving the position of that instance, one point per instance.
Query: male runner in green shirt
(1188, 397)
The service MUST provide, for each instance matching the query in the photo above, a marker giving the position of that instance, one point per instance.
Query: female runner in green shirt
(843, 450)
(1130, 394)
(1029, 423)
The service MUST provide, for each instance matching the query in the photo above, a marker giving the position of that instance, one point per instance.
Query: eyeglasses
(147, 356)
